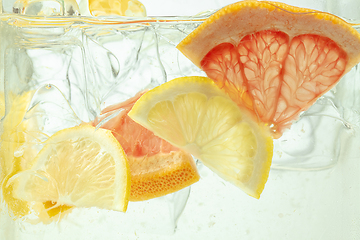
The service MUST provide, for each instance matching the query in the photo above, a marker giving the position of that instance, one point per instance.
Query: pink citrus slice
(274, 59)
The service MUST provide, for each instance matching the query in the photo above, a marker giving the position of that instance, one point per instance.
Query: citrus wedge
(193, 114)
(78, 167)
(272, 58)
(157, 168)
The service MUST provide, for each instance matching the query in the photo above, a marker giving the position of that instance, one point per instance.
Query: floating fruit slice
(193, 114)
(272, 58)
(17, 149)
(157, 168)
(129, 8)
(14, 136)
(79, 166)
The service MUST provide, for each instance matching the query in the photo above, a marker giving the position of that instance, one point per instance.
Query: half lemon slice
(193, 114)
(81, 167)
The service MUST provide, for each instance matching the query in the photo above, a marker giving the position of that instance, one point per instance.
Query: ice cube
(47, 7)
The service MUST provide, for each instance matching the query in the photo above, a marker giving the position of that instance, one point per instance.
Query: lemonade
(111, 119)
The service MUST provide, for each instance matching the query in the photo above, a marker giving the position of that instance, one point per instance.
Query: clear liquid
(75, 70)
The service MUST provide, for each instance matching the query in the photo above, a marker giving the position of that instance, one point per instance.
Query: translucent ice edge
(55, 21)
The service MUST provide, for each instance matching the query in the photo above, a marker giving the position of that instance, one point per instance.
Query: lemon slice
(80, 166)
(193, 114)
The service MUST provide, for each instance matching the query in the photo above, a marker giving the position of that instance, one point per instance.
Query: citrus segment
(53, 209)
(314, 64)
(211, 127)
(262, 55)
(272, 58)
(223, 66)
(157, 168)
(79, 166)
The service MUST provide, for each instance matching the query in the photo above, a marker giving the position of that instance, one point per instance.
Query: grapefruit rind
(149, 179)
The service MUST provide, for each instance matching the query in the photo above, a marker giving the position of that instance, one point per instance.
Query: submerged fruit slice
(129, 8)
(157, 168)
(272, 58)
(192, 113)
(16, 133)
(79, 166)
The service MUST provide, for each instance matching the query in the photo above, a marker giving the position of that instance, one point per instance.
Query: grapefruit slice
(157, 168)
(273, 59)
